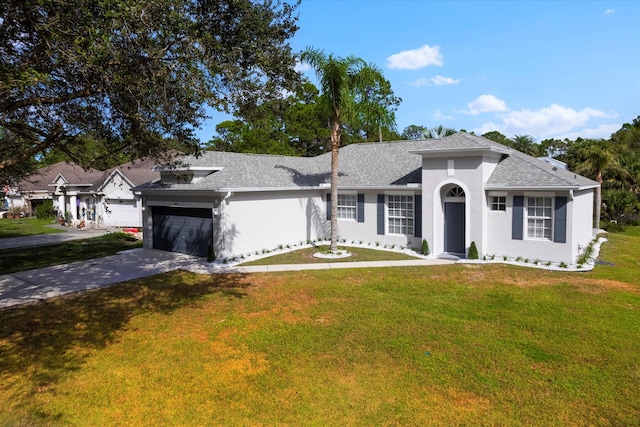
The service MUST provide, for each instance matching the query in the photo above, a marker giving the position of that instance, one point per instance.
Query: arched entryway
(454, 220)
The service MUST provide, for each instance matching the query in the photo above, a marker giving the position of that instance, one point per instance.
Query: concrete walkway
(53, 238)
(33, 285)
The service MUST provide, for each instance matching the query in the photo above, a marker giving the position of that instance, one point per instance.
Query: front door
(454, 227)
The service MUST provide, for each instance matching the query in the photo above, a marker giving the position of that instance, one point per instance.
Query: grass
(305, 256)
(445, 345)
(10, 227)
(13, 260)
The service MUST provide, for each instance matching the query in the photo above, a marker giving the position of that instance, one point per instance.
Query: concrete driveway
(33, 285)
(51, 239)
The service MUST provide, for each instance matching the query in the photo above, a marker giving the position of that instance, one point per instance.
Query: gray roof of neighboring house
(384, 164)
(138, 172)
(74, 174)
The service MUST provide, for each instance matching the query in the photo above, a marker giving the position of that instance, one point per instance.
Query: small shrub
(473, 251)
(504, 257)
(211, 254)
(424, 250)
(548, 263)
(586, 254)
(45, 210)
(612, 227)
(519, 259)
(377, 243)
(563, 265)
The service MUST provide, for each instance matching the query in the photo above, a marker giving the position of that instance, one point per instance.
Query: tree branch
(48, 100)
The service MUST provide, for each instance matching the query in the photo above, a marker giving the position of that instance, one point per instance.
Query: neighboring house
(450, 191)
(102, 198)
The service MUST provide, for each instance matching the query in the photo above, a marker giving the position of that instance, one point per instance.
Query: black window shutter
(380, 213)
(329, 207)
(360, 208)
(560, 221)
(517, 218)
(417, 222)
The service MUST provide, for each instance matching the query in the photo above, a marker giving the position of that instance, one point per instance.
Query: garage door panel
(183, 230)
(121, 213)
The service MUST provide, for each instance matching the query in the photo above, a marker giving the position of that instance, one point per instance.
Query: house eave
(503, 187)
(460, 152)
(187, 168)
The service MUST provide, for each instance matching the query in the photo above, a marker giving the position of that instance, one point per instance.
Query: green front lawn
(443, 345)
(305, 256)
(18, 227)
(21, 259)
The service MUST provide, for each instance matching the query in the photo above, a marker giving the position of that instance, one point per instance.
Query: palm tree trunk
(598, 201)
(335, 146)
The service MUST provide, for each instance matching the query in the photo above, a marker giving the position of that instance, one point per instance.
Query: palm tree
(526, 144)
(439, 132)
(593, 157)
(346, 84)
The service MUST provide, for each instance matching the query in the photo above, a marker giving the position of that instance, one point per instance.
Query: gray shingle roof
(138, 172)
(383, 164)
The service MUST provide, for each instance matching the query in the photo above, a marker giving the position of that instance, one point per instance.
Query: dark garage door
(185, 230)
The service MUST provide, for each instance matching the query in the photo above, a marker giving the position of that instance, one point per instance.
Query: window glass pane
(400, 214)
(347, 206)
(540, 217)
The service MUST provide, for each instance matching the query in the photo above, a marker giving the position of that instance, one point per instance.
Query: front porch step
(451, 257)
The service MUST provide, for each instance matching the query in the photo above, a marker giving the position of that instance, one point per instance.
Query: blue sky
(540, 68)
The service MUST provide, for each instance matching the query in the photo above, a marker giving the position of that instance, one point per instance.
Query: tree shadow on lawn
(46, 340)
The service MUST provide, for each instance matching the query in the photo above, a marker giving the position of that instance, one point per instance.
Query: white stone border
(555, 266)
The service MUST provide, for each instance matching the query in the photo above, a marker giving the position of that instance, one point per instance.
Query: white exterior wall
(501, 244)
(119, 206)
(470, 173)
(580, 219)
(367, 231)
(250, 222)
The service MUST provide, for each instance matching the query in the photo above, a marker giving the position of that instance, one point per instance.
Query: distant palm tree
(439, 132)
(526, 144)
(592, 157)
(345, 84)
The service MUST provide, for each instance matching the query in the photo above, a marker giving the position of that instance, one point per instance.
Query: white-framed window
(347, 206)
(400, 214)
(539, 217)
(498, 203)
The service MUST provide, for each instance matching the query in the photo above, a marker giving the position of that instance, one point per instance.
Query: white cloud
(416, 58)
(600, 132)
(486, 104)
(609, 11)
(420, 83)
(302, 66)
(437, 115)
(435, 81)
(551, 121)
(440, 80)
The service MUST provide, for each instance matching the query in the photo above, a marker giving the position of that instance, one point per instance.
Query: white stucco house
(451, 192)
(100, 198)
